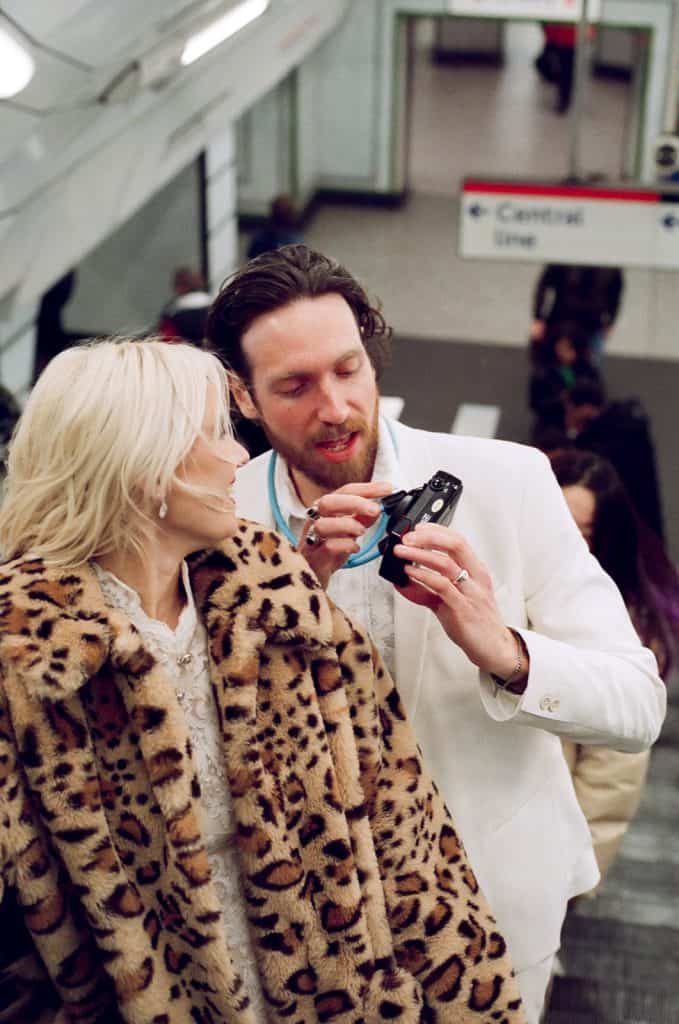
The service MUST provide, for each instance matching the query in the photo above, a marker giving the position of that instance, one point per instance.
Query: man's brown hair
(277, 278)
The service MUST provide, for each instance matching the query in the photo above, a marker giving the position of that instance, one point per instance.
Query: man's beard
(330, 475)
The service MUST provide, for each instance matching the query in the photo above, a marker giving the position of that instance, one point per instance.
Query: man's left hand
(467, 610)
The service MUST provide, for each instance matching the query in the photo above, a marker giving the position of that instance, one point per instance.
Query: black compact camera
(434, 502)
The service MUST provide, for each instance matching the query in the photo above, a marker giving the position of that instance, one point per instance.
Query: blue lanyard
(362, 557)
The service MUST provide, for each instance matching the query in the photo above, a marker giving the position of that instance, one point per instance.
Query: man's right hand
(344, 516)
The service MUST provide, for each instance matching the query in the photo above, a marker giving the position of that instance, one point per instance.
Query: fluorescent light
(16, 66)
(236, 19)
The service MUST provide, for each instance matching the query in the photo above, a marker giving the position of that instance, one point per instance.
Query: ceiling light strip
(225, 27)
(17, 67)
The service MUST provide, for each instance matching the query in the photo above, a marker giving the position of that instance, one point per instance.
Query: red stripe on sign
(560, 191)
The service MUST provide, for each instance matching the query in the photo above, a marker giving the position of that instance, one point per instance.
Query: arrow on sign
(478, 211)
(670, 221)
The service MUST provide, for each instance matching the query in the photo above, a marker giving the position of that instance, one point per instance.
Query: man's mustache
(351, 427)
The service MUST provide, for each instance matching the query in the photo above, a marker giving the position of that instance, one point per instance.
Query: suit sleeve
(590, 679)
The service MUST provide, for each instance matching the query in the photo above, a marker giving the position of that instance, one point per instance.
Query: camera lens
(436, 484)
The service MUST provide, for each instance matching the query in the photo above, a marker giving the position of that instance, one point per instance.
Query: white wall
(316, 128)
(349, 67)
(122, 285)
(306, 137)
(264, 157)
(333, 100)
(658, 15)
(17, 344)
(222, 225)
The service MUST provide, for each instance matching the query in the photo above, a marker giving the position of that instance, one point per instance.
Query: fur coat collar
(361, 900)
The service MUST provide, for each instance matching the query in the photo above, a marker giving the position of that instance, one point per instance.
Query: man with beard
(508, 634)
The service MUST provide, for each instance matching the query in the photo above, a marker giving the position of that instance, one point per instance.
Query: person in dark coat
(51, 335)
(9, 414)
(281, 228)
(556, 63)
(184, 317)
(590, 296)
(560, 362)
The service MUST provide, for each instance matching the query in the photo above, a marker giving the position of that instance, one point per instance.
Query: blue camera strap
(362, 557)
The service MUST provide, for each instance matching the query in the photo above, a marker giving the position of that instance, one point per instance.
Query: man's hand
(344, 516)
(466, 610)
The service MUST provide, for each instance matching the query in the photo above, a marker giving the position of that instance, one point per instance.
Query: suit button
(549, 704)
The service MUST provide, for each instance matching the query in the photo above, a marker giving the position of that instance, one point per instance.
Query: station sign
(533, 10)
(569, 224)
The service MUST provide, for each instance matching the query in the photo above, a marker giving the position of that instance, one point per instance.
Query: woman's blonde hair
(99, 443)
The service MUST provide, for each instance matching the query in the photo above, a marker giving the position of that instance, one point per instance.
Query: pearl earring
(162, 511)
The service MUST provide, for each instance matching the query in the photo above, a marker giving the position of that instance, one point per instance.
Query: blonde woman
(212, 807)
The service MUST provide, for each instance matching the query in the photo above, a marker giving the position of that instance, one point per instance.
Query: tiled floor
(472, 118)
(620, 951)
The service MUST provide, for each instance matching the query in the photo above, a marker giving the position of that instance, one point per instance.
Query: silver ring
(312, 537)
(461, 577)
(312, 512)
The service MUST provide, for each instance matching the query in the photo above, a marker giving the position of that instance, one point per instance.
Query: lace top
(183, 652)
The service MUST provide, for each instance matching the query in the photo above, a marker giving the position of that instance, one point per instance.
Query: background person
(282, 227)
(189, 729)
(587, 295)
(9, 414)
(556, 62)
(618, 430)
(489, 695)
(184, 317)
(609, 784)
(51, 336)
(560, 363)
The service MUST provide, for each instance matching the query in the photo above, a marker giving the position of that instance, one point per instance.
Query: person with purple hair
(608, 783)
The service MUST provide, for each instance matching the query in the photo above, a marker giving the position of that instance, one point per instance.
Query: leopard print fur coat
(362, 903)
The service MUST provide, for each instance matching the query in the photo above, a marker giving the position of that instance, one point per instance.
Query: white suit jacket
(496, 758)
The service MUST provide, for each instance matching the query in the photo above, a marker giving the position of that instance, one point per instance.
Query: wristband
(518, 669)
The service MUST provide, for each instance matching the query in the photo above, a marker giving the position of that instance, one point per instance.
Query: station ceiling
(110, 115)
(83, 48)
